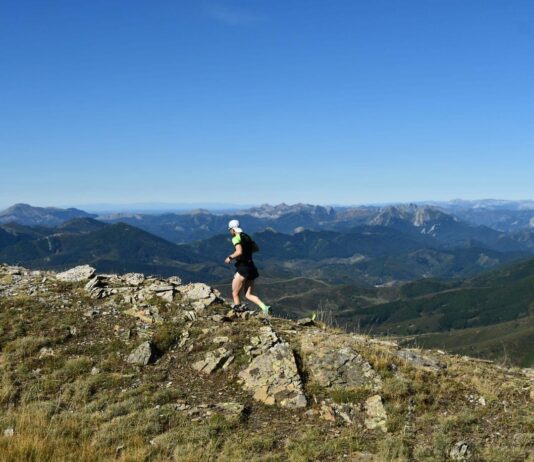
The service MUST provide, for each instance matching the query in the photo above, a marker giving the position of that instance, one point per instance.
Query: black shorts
(247, 270)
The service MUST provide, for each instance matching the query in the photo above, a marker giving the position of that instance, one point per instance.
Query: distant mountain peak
(277, 211)
(29, 215)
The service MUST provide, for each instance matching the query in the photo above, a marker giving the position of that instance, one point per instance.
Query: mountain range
(465, 220)
(413, 271)
(395, 250)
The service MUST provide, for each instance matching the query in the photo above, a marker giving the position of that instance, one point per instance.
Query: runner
(246, 271)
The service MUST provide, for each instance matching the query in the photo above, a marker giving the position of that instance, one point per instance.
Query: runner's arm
(237, 253)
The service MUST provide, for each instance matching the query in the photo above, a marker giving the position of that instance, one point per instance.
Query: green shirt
(236, 239)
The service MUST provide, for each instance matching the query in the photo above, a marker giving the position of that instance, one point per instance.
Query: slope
(87, 375)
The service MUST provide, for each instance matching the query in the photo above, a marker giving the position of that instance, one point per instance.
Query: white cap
(233, 224)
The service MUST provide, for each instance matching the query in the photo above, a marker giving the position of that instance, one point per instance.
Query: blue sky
(265, 101)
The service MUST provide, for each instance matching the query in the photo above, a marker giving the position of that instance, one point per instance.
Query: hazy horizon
(154, 207)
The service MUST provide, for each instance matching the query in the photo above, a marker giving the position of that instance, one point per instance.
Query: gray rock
(45, 352)
(213, 360)
(77, 274)
(133, 279)
(376, 413)
(144, 315)
(196, 291)
(14, 270)
(345, 413)
(189, 315)
(160, 287)
(460, 451)
(175, 280)
(333, 361)
(199, 295)
(184, 338)
(95, 282)
(265, 339)
(416, 359)
(92, 313)
(167, 295)
(142, 355)
(305, 322)
(273, 377)
(231, 409)
(98, 293)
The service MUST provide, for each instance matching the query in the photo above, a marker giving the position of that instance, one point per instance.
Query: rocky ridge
(183, 341)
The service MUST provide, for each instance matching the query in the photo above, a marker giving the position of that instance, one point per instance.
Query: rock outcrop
(334, 361)
(272, 375)
(221, 358)
(376, 413)
(142, 355)
(274, 379)
(77, 274)
(199, 295)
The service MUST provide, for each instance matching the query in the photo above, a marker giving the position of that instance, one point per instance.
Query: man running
(246, 271)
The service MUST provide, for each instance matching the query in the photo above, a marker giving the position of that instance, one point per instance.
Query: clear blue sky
(265, 101)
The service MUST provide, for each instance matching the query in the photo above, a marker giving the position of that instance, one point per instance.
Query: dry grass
(60, 409)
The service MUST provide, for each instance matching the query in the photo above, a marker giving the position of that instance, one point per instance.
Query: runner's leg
(249, 287)
(237, 286)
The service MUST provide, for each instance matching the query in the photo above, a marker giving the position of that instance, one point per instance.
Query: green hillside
(117, 247)
(490, 315)
(509, 342)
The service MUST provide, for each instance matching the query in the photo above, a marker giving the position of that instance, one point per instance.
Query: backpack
(247, 240)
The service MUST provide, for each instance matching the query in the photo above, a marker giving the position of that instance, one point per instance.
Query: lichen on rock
(273, 375)
(334, 361)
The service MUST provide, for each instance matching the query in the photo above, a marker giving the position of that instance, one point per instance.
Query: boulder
(95, 282)
(98, 293)
(460, 451)
(214, 360)
(230, 409)
(265, 339)
(376, 413)
(334, 412)
(162, 290)
(144, 315)
(77, 274)
(333, 361)
(198, 295)
(46, 352)
(416, 359)
(274, 378)
(142, 355)
(160, 287)
(305, 322)
(175, 280)
(133, 279)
